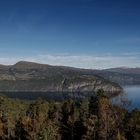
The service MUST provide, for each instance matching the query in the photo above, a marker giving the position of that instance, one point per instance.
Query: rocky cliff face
(62, 86)
(27, 76)
(89, 84)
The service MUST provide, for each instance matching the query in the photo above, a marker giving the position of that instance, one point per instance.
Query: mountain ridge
(126, 70)
(30, 76)
(25, 64)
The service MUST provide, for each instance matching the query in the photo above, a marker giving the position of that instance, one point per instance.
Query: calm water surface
(48, 96)
(130, 97)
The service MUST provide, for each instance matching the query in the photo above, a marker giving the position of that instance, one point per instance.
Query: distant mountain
(123, 76)
(24, 65)
(4, 67)
(29, 76)
(125, 70)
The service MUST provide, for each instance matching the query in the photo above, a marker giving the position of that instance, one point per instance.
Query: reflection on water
(130, 98)
(48, 96)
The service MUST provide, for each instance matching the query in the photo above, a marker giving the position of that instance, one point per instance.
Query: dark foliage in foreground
(91, 119)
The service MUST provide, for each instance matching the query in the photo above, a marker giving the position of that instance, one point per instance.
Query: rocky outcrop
(83, 85)
(89, 84)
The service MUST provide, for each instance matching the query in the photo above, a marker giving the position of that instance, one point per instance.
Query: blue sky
(80, 33)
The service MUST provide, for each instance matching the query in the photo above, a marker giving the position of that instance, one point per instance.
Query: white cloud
(81, 61)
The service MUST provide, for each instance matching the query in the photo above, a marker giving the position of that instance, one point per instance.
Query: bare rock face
(89, 84)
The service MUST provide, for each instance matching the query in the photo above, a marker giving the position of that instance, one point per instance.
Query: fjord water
(131, 94)
(48, 96)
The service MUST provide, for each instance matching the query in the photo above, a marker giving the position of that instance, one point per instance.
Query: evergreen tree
(84, 109)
